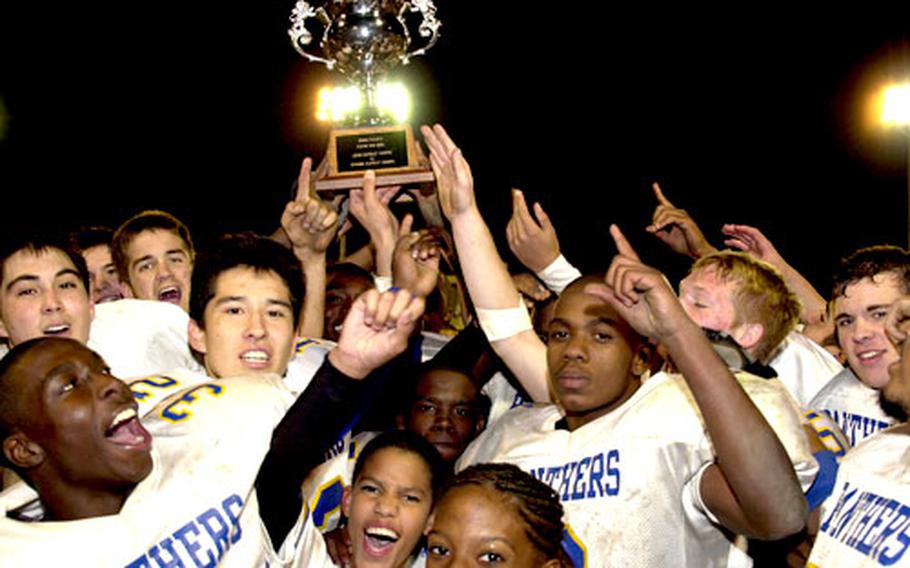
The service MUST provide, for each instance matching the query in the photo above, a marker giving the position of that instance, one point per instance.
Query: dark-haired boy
(866, 284)
(94, 244)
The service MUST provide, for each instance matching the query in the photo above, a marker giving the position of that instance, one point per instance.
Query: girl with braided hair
(495, 513)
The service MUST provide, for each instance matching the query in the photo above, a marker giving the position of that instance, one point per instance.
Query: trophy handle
(429, 27)
(300, 36)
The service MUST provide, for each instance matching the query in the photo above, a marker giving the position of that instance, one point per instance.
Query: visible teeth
(122, 416)
(57, 328)
(255, 356)
(339, 327)
(380, 532)
(869, 354)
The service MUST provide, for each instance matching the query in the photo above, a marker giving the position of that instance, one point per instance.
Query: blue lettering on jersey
(855, 426)
(303, 344)
(588, 478)
(874, 525)
(327, 502)
(200, 542)
(158, 382)
(172, 412)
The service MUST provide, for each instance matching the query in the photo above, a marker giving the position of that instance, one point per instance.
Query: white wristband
(558, 274)
(382, 283)
(503, 323)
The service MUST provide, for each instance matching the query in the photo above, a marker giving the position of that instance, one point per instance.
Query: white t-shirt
(853, 406)
(629, 480)
(866, 520)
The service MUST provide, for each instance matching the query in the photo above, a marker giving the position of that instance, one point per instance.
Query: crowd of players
(257, 403)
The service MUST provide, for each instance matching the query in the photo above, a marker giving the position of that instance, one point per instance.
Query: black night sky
(205, 110)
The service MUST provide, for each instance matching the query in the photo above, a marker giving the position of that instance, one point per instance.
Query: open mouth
(868, 356)
(126, 430)
(256, 358)
(109, 297)
(57, 330)
(170, 294)
(379, 541)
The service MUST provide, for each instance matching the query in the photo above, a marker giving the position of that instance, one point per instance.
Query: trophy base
(390, 151)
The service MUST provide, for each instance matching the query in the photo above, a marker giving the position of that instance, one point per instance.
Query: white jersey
(854, 406)
(629, 481)
(141, 337)
(149, 391)
(198, 505)
(866, 521)
(503, 396)
(803, 366)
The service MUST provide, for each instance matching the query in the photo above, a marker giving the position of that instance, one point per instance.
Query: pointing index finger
(659, 194)
(303, 180)
(622, 244)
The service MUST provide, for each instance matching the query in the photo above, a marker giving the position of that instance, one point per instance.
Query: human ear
(22, 452)
(749, 334)
(196, 336)
(642, 360)
(346, 501)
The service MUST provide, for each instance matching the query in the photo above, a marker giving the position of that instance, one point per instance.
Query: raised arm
(310, 225)
(752, 487)
(370, 207)
(485, 274)
(814, 313)
(375, 330)
(676, 228)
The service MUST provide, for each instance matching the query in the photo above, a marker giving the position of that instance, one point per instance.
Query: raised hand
(370, 208)
(898, 321)
(309, 223)
(415, 265)
(533, 241)
(375, 330)
(752, 241)
(640, 294)
(676, 228)
(454, 182)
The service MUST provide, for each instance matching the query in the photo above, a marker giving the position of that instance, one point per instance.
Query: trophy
(364, 39)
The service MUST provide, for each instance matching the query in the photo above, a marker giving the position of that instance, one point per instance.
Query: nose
(108, 386)
(386, 505)
(52, 301)
(864, 329)
(576, 348)
(255, 328)
(164, 270)
(442, 421)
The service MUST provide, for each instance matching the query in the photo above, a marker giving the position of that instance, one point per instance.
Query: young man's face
(340, 292)
(859, 317)
(249, 324)
(83, 419)
(160, 266)
(103, 277)
(42, 295)
(592, 357)
(444, 412)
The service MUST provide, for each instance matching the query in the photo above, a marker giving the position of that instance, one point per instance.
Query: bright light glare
(896, 105)
(335, 104)
(394, 99)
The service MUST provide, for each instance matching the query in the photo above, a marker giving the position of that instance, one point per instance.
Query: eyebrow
(35, 277)
(372, 479)
(607, 321)
(273, 301)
